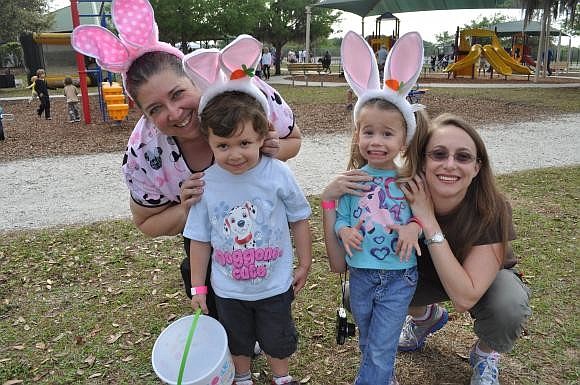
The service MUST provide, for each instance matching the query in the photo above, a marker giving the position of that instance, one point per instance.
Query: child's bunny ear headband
(231, 69)
(138, 35)
(402, 69)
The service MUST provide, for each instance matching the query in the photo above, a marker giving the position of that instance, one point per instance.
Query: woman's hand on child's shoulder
(348, 182)
(192, 190)
(271, 144)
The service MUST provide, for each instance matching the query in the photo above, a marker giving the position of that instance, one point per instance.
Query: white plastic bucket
(209, 361)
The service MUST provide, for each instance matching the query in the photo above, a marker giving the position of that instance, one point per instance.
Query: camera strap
(343, 287)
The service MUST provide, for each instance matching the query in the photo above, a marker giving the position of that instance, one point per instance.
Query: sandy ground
(58, 191)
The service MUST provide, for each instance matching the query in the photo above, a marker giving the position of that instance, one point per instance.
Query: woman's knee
(502, 312)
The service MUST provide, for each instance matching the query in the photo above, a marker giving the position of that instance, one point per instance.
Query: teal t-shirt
(382, 205)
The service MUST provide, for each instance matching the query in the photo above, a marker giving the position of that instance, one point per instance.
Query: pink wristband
(328, 205)
(198, 290)
(417, 221)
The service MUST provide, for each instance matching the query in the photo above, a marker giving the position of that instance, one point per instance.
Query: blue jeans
(379, 300)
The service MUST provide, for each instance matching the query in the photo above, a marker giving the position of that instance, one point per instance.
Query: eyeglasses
(441, 155)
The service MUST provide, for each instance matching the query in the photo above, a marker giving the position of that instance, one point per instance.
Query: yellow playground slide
(468, 61)
(507, 59)
(496, 61)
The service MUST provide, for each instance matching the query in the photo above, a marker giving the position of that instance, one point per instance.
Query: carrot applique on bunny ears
(402, 69)
(231, 69)
(138, 34)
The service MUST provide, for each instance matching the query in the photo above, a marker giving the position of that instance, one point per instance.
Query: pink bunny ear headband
(402, 69)
(138, 35)
(231, 69)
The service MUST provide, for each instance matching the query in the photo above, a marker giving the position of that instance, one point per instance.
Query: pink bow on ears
(231, 69)
(138, 34)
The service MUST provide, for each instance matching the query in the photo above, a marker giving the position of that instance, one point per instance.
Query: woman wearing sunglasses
(466, 255)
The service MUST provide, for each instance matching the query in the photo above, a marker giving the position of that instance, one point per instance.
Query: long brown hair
(483, 208)
(356, 160)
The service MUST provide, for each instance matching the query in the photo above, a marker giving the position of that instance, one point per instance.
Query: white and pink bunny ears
(402, 69)
(231, 69)
(138, 35)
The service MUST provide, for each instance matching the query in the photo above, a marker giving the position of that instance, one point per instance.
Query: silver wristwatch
(438, 237)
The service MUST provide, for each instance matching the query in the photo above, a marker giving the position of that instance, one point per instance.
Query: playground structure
(116, 111)
(376, 39)
(469, 53)
(53, 52)
(521, 50)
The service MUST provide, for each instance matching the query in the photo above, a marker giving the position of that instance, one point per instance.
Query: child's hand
(300, 275)
(408, 239)
(351, 238)
(198, 301)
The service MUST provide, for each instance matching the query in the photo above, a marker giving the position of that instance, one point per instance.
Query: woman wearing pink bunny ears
(166, 154)
(375, 233)
(466, 255)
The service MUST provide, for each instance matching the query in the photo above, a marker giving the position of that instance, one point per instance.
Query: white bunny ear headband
(231, 69)
(138, 35)
(402, 69)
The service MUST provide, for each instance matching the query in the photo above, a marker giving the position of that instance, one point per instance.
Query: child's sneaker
(485, 368)
(287, 380)
(414, 333)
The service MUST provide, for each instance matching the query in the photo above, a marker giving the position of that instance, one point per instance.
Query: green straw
(187, 345)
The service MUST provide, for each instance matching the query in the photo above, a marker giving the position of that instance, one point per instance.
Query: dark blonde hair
(483, 206)
(356, 160)
(68, 81)
(226, 111)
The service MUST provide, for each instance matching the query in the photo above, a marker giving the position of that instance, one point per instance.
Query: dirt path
(45, 192)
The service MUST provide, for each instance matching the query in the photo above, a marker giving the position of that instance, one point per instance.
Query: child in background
(241, 222)
(41, 88)
(372, 230)
(32, 88)
(71, 94)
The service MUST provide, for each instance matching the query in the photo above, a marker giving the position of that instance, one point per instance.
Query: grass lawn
(85, 304)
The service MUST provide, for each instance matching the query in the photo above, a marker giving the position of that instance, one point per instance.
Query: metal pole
(308, 14)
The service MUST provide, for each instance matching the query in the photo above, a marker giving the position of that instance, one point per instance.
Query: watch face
(438, 237)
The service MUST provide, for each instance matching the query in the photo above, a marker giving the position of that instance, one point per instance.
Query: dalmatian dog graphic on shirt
(239, 226)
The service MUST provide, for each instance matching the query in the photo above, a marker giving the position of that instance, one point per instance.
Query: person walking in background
(71, 94)
(41, 87)
(250, 201)
(549, 61)
(326, 59)
(381, 59)
(32, 88)
(374, 232)
(266, 62)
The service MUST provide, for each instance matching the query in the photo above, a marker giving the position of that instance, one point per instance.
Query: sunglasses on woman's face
(441, 155)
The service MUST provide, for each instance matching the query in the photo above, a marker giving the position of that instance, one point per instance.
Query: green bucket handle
(187, 345)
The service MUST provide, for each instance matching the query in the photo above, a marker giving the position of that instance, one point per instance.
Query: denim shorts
(268, 321)
(379, 300)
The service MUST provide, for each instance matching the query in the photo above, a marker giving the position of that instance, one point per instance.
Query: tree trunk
(278, 45)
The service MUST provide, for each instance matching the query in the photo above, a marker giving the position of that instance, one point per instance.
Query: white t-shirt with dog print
(245, 218)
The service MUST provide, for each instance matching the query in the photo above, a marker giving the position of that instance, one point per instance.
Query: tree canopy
(17, 16)
(285, 21)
